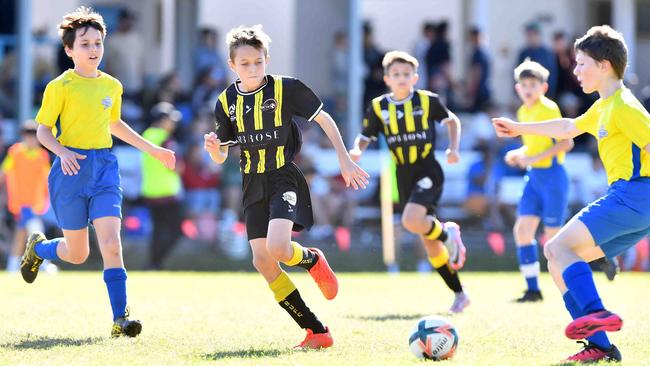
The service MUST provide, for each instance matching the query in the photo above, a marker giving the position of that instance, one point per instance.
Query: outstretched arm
(561, 128)
(125, 133)
(351, 172)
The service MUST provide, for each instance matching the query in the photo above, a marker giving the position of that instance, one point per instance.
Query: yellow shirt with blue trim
(79, 110)
(621, 125)
(543, 110)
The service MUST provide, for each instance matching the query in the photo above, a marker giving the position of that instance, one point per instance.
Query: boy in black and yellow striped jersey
(407, 117)
(256, 112)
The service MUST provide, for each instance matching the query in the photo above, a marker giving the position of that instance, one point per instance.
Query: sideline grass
(230, 319)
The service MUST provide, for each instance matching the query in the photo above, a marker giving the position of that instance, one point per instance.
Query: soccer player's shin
(450, 276)
(287, 295)
(528, 257)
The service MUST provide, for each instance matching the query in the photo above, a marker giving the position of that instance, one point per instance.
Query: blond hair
(398, 56)
(531, 69)
(247, 36)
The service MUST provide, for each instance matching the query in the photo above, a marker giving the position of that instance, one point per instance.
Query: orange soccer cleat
(325, 278)
(316, 341)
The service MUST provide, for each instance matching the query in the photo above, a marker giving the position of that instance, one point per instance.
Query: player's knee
(78, 257)
(262, 264)
(413, 222)
(277, 250)
(549, 251)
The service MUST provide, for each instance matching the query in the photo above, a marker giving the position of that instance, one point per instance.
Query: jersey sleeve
(224, 127)
(51, 106)
(371, 124)
(588, 121)
(437, 109)
(116, 110)
(303, 101)
(634, 122)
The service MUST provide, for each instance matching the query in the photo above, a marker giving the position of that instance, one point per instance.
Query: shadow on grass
(40, 342)
(246, 353)
(387, 317)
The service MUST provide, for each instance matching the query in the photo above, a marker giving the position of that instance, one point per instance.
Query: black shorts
(277, 194)
(420, 183)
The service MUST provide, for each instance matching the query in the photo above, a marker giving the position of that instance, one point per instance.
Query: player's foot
(124, 327)
(454, 245)
(610, 267)
(460, 303)
(31, 261)
(585, 326)
(592, 353)
(316, 341)
(322, 273)
(531, 296)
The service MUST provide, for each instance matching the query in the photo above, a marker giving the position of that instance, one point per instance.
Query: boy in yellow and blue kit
(545, 196)
(79, 113)
(620, 218)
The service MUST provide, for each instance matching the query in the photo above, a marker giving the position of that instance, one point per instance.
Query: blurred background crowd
(173, 88)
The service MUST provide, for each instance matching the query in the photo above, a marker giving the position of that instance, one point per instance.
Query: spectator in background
(206, 89)
(438, 54)
(478, 89)
(202, 199)
(373, 80)
(125, 55)
(161, 187)
(536, 51)
(438, 65)
(207, 57)
(422, 45)
(169, 89)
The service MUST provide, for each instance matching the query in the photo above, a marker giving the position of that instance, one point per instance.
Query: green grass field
(231, 319)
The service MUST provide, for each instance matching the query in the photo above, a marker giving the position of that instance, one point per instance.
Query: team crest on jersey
(385, 115)
(425, 183)
(290, 197)
(417, 111)
(107, 102)
(602, 132)
(269, 105)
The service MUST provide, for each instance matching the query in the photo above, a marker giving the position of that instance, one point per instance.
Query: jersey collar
(266, 81)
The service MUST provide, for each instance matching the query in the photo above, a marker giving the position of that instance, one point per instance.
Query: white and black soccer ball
(433, 338)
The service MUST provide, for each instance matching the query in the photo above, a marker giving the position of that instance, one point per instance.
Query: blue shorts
(546, 195)
(621, 218)
(93, 193)
(26, 214)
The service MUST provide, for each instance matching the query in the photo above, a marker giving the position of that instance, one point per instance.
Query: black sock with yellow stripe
(437, 231)
(449, 275)
(287, 295)
(302, 257)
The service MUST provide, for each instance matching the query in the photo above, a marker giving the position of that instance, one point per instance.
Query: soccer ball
(433, 338)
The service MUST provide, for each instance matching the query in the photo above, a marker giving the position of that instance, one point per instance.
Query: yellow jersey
(543, 110)
(79, 110)
(621, 125)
